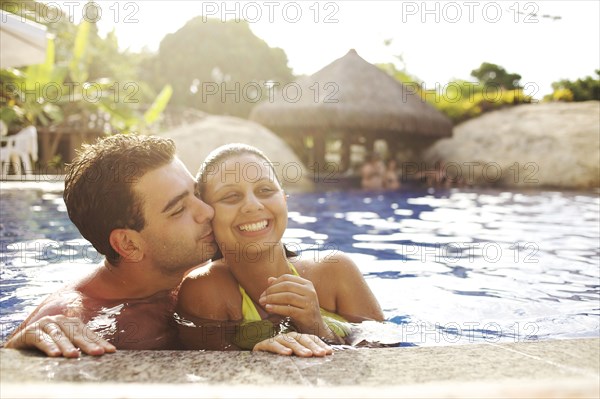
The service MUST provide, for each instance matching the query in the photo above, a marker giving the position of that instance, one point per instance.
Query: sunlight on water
(448, 268)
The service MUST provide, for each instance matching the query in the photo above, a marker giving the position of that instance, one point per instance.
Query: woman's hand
(294, 297)
(60, 336)
(303, 345)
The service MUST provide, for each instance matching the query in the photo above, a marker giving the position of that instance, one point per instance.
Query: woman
(259, 288)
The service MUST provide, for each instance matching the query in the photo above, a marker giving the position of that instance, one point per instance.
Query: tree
(84, 78)
(584, 89)
(492, 74)
(219, 67)
(460, 100)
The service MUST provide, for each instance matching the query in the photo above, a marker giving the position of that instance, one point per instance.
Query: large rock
(194, 141)
(533, 145)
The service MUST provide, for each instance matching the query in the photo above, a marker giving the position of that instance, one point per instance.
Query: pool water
(448, 267)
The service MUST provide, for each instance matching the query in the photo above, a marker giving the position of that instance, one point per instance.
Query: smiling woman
(258, 288)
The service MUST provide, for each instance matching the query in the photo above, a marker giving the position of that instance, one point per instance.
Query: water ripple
(449, 267)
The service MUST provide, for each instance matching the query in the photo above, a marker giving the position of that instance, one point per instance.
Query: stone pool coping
(547, 369)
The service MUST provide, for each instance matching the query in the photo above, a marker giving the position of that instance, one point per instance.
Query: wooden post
(345, 156)
(319, 150)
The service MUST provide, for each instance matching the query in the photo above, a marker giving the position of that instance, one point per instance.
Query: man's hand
(303, 345)
(60, 336)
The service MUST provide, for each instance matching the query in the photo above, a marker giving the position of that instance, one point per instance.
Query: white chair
(19, 150)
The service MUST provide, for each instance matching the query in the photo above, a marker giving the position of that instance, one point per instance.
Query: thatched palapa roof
(351, 94)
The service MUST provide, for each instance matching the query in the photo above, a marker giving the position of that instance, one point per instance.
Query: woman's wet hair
(218, 156)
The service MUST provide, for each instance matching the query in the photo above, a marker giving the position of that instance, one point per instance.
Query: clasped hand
(295, 297)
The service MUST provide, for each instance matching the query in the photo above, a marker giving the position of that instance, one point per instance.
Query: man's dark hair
(99, 185)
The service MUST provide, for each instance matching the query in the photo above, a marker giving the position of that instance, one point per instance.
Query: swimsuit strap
(293, 269)
(249, 311)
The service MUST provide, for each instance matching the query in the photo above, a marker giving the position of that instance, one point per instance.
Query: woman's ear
(126, 243)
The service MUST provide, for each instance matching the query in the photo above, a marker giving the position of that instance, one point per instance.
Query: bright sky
(438, 40)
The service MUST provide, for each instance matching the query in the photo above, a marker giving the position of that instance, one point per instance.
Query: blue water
(448, 267)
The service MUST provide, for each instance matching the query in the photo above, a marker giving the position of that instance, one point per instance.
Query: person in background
(255, 287)
(372, 173)
(390, 181)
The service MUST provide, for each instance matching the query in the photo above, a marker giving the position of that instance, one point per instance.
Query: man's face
(178, 233)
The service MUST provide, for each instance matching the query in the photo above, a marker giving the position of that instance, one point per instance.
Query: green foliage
(585, 89)
(85, 81)
(158, 106)
(461, 100)
(492, 74)
(23, 100)
(215, 66)
(78, 65)
(562, 94)
(83, 74)
(400, 75)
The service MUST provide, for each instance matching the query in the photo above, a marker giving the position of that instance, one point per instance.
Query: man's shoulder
(65, 301)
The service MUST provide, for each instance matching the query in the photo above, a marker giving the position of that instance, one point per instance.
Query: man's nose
(204, 212)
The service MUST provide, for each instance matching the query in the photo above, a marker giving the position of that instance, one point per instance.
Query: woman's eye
(230, 197)
(266, 190)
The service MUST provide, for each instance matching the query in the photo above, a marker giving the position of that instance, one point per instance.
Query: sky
(438, 41)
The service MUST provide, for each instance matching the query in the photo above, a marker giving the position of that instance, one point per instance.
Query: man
(134, 200)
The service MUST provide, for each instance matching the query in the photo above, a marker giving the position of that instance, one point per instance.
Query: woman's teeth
(253, 226)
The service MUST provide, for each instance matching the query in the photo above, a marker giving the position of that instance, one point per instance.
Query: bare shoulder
(202, 291)
(326, 264)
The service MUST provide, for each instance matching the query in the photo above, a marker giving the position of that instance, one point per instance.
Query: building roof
(351, 94)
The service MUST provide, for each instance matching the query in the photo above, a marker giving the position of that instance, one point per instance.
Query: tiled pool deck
(546, 369)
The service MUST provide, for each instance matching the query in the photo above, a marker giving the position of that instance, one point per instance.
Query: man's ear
(127, 244)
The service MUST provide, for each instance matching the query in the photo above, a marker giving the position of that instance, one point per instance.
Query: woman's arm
(333, 283)
(354, 300)
(202, 317)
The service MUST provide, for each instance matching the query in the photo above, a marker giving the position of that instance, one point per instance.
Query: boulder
(194, 141)
(532, 145)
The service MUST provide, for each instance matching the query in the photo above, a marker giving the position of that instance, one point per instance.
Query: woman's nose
(251, 203)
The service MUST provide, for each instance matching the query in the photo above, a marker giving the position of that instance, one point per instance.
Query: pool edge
(556, 368)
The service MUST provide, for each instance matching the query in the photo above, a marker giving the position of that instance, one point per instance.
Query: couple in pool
(191, 263)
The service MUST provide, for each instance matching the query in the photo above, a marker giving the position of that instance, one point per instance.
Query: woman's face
(250, 206)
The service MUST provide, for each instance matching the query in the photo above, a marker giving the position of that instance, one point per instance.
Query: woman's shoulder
(212, 276)
(202, 289)
(323, 264)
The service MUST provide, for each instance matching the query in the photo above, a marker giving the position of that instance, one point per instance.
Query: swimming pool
(448, 267)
